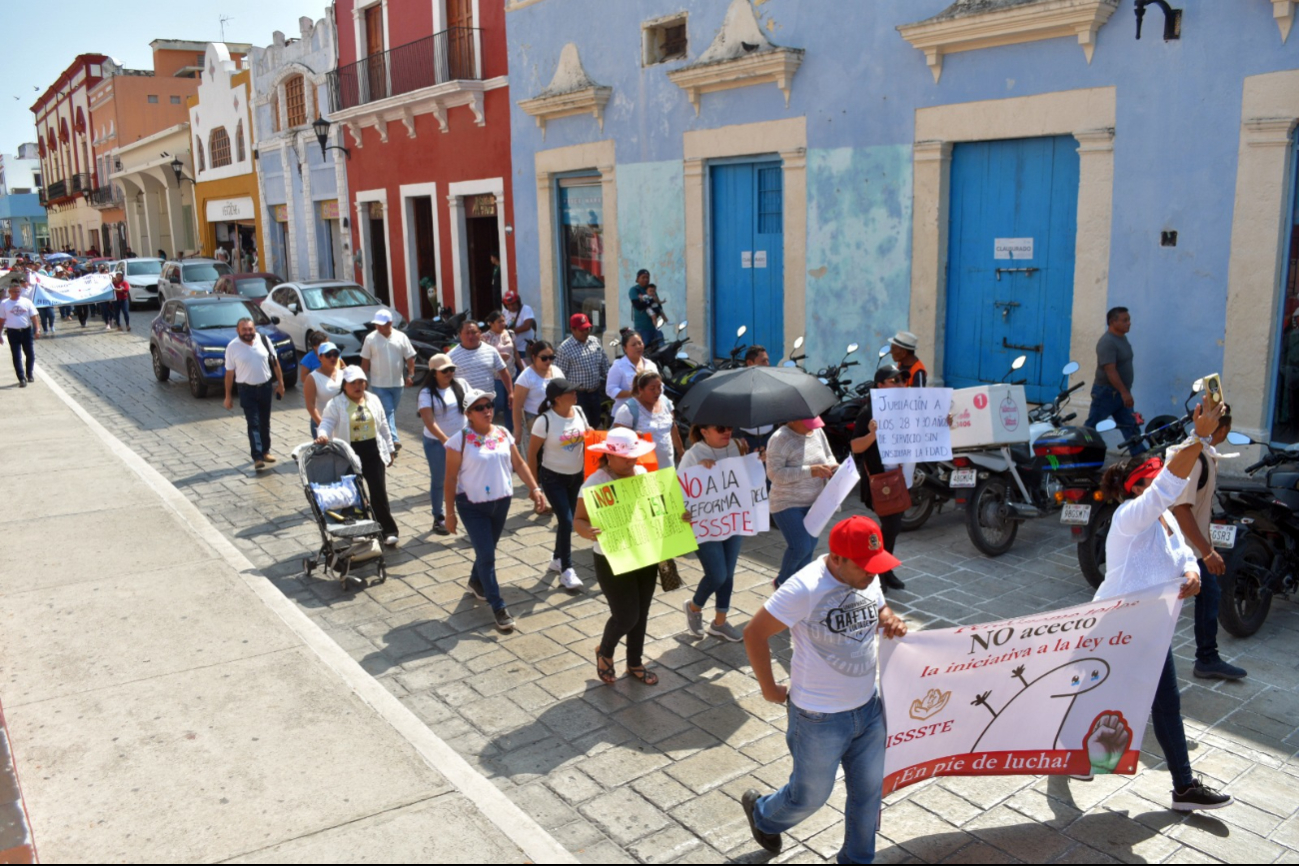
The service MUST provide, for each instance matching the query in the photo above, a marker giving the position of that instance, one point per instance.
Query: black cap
(888, 371)
(556, 387)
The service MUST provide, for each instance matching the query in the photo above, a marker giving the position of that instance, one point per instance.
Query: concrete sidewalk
(164, 703)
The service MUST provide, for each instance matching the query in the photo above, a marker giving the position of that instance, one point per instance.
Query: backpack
(545, 416)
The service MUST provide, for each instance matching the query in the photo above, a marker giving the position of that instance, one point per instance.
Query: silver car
(340, 309)
(189, 277)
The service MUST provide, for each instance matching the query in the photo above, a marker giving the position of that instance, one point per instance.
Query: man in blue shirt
(647, 305)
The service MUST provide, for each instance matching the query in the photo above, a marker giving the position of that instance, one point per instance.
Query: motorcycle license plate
(1076, 515)
(965, 477)
(1223, 535)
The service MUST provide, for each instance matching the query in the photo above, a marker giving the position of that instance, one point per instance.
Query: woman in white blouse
(357, 417)
(648, 411)
(622, 373)
(323, 383)
(441, 400)
(530, 389)
(1145, 548)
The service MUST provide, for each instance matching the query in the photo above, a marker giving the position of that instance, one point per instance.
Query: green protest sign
(640, 520)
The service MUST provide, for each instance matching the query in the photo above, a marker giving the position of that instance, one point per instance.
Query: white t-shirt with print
(602, 476)
(486, 464)
(565, 446)
(536, 386)
(833, 630)
(447, 415)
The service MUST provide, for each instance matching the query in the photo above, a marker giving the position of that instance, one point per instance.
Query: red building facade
(422, 97)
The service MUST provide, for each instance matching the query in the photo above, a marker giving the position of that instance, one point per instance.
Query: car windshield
(336, 297)
(206, 317)
(256, 287)
(143, 269)
(205, 272)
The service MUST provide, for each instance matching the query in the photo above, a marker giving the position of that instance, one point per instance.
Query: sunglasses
(447, 370)
(722, 428)
(545, 357)
(481, 407)
(333, 354)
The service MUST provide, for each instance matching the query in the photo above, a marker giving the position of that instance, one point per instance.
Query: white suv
(190, 276)
(342, 310)
(142, 276)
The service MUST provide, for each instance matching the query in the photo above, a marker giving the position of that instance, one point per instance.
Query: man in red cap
(832, 609)
(520, 319)
(585, 365)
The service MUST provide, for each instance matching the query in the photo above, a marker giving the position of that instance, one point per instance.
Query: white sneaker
(569, 579)
(390, 541)
(556, 565)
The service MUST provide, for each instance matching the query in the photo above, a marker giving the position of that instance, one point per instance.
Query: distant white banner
(90, 289)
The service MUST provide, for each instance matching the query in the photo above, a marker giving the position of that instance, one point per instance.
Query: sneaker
(31, 381)
(1086, 778)
(569, 580)
(556, 565)
(504, 622)
(1199, 796)
(22, 383)
(440, 526)
(108, 327)
(259, 464)
(1218, 670)
(694, 619)
(769, 841)
(269, 458)
(390, 541)
(477, 589)
(725, 631)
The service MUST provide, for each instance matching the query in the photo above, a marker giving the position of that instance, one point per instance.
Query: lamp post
(321, 127)
(178, 169)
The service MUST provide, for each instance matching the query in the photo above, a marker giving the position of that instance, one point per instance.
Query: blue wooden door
(747, 203)
(1010, 261)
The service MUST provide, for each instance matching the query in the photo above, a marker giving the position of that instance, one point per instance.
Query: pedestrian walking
(1145, 548)
(360, 419)
(629, 594)
(520, 319)
(481, 365)
(622, 372)
(646, 306)
(388, 358)
(557, 457)
(585, 364)
(499, 338)
(311, 360)
(441, 408)
(902, 347)
(46, 316)
(867, 451)
(252, 364)
(710, 443)
(1193, 512)
(648, 411)
(756, 437)
(21, 330)
(323, 383)
(831, 608)
(530, 389)
(1112, 387)
(121, 311)
(799, 462)
(481, 463)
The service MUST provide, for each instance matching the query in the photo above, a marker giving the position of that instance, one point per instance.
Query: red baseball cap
(859, 538)
(578, 320)
(510, 297)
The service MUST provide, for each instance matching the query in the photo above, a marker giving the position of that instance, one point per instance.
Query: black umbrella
(755, 397)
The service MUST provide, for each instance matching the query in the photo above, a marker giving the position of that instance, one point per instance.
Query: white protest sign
(1063, 692)
(729, 499)
(911, 424)
(827, 504)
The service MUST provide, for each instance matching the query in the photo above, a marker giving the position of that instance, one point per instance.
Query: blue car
(190, 336)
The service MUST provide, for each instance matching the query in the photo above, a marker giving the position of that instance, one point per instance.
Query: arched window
(240, 153)
(295, 99)
(198, 150)
(219, 147)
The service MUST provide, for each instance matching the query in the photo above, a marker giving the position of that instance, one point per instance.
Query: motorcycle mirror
(1019, 362)
(885, 349)
(683, 356)
(1197, 386)
(852, 347)
(744, 329)
(1071, 368)
(1106, 425)
(681, 327)
(798, 344)
(789, 364)
(1239, 438)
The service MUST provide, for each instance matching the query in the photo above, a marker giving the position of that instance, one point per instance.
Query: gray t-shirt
(1116, 350)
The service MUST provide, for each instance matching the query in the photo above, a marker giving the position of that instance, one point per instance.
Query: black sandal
(604, 669)
(648, 678)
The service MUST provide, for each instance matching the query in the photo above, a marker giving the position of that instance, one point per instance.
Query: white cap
(354, 373)
(383, 317)
(472, 396)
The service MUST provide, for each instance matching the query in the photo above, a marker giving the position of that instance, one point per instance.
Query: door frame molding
(363, 198)
(456, 193)
(1089, 116)
(408, 191)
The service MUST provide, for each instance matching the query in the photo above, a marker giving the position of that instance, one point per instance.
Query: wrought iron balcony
(56, 190)
(106, 196)
(451, 55)
(81, 183)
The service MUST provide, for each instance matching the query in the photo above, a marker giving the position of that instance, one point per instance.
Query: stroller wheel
(383, 571)
(308, 565)
(352, 584)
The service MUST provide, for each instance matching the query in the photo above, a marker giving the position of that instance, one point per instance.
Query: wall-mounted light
(321, 127)
(178, 169)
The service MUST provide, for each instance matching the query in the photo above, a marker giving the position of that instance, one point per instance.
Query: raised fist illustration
(1107, 741)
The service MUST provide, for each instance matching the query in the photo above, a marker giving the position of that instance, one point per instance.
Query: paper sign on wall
(1012, 248)
(746, 259)
(760, 259)
(912, 424)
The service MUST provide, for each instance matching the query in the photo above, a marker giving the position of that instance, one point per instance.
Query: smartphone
(1213, 388)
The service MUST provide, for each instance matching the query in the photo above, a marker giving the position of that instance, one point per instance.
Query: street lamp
(178, 169)
(321, 127)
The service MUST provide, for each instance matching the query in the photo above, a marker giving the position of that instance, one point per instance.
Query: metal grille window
(295, 101)
(664, 40)
(219, 146)
(769, 201)
(240, 152)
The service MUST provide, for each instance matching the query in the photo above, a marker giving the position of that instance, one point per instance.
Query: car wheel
(197, 386)
(291, 379)
(306, 342)
(160, 371)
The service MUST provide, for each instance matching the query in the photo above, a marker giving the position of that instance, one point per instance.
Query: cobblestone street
(635, 774)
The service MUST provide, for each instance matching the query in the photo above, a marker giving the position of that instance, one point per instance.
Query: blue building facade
(992, 175)
(301, 188)
(22, 222)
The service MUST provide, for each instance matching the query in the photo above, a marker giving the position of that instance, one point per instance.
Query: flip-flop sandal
(646, 677)
(604, 669)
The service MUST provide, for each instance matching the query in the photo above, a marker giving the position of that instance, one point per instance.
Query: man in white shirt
(832, 608)
(520, 319)
(479, 363)
(252, 363)
(388, 358)
(21, 329)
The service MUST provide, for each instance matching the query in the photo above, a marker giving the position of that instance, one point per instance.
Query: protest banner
(90, 289)
(641, 519)
(729, 499)
(912, 424)
(835, 492)
(1063, 692)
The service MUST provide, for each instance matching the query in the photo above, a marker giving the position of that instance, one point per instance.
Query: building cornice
(776, 65)
(404, 107)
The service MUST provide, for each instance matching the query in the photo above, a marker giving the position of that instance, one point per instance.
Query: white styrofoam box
(989, 415)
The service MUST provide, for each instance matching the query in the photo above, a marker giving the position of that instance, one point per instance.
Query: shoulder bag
(889, 493)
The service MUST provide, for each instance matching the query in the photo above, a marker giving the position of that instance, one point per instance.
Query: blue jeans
(391, 399)
(22, 342)
(718, 559)
(255, 400)
(1166, 718)
(563, 492)
(1206, 617)
(121, 310)
(649, 335)
(1108, 403)
(799, 545)
(504, 417)
(819, 743)
(484, 522)
(47, 318)
(436, 455)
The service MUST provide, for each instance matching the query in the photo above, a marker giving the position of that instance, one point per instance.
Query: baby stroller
(335, 490)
